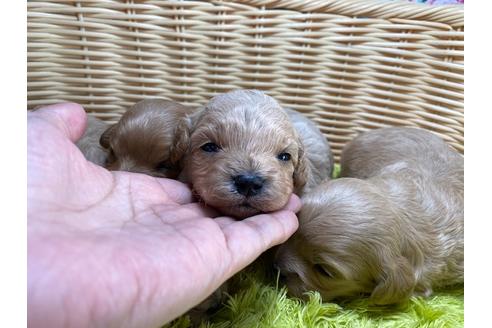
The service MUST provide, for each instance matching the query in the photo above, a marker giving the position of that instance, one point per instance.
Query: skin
(119, 249)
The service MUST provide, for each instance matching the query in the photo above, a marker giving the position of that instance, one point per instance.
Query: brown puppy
(89, 142)
(143, 140)
(245, 155)
(395, 234)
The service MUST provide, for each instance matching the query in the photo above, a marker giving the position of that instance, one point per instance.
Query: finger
(177, 191)
(151, 190)
(248, 238)
(69, 118)
(274, 228)
(294, 204)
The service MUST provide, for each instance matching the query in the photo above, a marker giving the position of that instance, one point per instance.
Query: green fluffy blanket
(260, 302)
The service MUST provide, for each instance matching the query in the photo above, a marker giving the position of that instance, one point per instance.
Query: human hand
(118, 249)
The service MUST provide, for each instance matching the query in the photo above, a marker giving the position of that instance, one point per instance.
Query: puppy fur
(89, 142)
(247, 133)
(397, 233)
(319, 157)
(144, 141)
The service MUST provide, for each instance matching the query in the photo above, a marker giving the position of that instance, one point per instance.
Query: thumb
(248, 238)
(69, 118)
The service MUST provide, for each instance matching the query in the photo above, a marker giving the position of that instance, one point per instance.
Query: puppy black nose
(248, 184)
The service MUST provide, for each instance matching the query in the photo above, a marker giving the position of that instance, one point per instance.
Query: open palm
(117, 249)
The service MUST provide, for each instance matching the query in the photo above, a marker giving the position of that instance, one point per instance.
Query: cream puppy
(397, 233)
(245, 155)
(144, 139)
(89, 142)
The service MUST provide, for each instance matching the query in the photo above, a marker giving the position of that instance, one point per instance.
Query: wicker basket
(350, 65)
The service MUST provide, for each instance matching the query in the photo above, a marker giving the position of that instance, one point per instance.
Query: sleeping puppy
(143, 140)
(397, 233)
(89, 142)
(245, 155)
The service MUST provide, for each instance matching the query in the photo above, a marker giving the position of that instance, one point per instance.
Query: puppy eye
(164, 165)
(322, 270)
(284, 157)
(210, 147)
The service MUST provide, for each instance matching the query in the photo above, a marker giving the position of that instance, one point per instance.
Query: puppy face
(143, 140)
(245, 156)
(347, 244)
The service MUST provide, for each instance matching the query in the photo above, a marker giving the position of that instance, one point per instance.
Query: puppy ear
(301, 170)
(396, 284)
(181, 141)
(106, 136)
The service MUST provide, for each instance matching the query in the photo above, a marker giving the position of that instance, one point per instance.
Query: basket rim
(452, 15)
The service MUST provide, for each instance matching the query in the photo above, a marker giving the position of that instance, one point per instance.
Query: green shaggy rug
(258, 301)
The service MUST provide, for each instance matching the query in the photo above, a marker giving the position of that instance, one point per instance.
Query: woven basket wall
(350, 65)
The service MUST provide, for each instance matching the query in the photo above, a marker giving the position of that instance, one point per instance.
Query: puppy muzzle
(248, 184)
